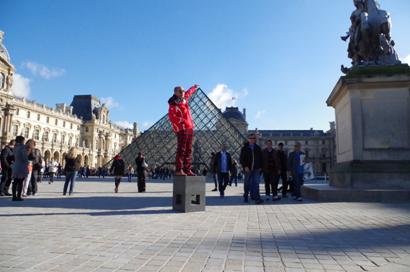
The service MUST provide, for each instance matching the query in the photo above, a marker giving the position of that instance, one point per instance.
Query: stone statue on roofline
(370, 43)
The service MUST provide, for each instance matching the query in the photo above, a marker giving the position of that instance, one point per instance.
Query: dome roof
(234, 113)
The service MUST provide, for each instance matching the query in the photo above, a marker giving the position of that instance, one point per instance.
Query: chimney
(244, 113)
(134, 130)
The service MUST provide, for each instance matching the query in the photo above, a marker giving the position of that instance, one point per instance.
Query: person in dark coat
(283, 170)
(72, 165)
(234, 174)
(20, 167)
(117, 169)
(213, 172)
(222, 166)
(141, 168)
(37, 165)
(7, 159)
(270, 169)
(251, 161)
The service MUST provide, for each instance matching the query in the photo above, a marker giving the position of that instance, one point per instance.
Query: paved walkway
(97, 230)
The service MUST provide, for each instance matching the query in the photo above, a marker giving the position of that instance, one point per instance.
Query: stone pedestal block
(372, 108)
(189, 194)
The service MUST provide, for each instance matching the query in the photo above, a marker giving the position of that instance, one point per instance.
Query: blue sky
(280, 59)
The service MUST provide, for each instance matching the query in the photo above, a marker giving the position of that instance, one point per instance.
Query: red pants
(184, 149)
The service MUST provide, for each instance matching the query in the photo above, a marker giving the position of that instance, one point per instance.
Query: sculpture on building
(3, 51)
(369, 37)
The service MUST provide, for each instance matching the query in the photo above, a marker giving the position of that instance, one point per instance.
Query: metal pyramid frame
(158, 143)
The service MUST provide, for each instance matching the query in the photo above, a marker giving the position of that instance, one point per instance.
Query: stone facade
(318, 145)
(57, 129)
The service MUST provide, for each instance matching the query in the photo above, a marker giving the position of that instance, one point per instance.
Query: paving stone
(97, 230)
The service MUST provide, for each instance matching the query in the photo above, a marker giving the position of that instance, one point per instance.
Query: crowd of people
(273, 164)
(23, 167)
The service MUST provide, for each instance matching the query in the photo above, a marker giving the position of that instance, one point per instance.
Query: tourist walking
(234, 174)
(222, 166)
(270, 169)
(213, 173)
(296, 167)
(20, 168)
(72, 165)
(283, 170)
(180, 117)
(251, 161)
(117, 170)
(141, 168)
(7, 159)
(37, 161)
(52, 170)
(30, 144)
(130, 172)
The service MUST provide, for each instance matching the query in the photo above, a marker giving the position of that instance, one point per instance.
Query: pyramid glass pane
(158, 143)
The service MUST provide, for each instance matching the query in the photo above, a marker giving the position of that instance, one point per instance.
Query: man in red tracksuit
(182, 124)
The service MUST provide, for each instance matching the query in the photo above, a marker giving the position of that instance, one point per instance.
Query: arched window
(55, 137)
(70, 140)
(26, 133)
(36, 134)
(45, 136)
(15, 130)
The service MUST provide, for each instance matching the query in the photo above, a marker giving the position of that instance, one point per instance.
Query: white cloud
(407, 59)
(124, 124)
(224, 97)
(21, 86)
(259, 114)
(109, 102)
(146, 124)
(43, 71)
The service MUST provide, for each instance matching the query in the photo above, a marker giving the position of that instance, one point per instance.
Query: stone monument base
(327, 193)
(189, 194)
(372, 106)
(371, 175)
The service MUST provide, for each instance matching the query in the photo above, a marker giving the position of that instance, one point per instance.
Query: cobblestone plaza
(97, 230)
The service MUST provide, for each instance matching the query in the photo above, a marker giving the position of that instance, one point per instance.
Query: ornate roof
(234, 113)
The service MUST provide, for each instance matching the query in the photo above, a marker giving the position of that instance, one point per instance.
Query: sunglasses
(252, 138)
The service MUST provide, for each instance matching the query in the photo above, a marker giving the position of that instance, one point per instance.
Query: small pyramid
(158, 143)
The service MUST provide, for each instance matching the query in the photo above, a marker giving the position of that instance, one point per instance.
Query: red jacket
(179, 113)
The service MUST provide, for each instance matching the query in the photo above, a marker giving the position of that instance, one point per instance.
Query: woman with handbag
(118, 170)
(141, 167)
(72, 165)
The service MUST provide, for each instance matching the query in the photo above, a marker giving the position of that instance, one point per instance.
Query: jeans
(223, 180)
(285, 182)
(251, 184)
(235, 179)
(69, 179)
(297, 184)
(17, 187)
(5, 180)
(35, 175)
(271, 183)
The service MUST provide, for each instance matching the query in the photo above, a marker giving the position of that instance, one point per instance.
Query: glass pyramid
(158, 143)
